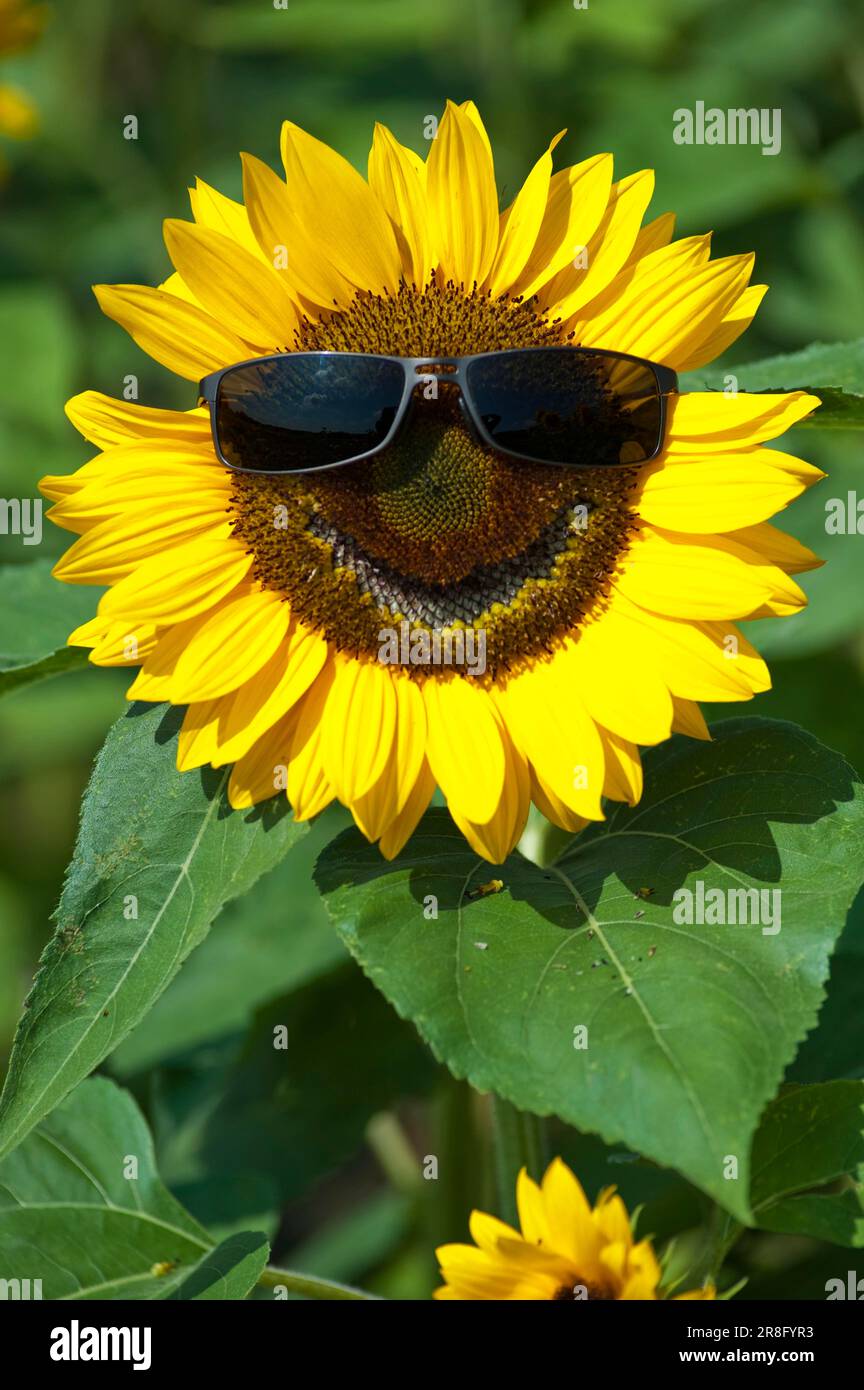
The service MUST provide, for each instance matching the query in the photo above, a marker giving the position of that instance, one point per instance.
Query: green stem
(727, 1233)
(309, 1286)
(461, 1147)
(392, 1148)
(720, 1233)
(519, 1141)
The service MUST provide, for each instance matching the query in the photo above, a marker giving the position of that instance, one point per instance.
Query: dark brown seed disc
(437, 531)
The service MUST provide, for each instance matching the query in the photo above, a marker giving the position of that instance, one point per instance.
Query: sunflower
(600, 638)
(566, 1251)
(21, 23)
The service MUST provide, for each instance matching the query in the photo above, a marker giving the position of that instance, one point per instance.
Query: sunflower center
(437, 532)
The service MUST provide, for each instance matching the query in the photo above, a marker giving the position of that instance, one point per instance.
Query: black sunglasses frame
(456, 373)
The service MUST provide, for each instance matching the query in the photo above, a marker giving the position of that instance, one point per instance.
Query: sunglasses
(301, 412)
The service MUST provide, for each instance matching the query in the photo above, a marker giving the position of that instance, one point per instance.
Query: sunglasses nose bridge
(451, 380)
(428, 369)
(421, 378)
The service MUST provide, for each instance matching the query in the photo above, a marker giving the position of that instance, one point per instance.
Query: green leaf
(837, 1217)
(75, 1213)
(274, 939)
(159, 853)
(797, 694)
(36, 616)
(808, 1136)
(231, 1271)
(264, 1115)
(689, 1027)
(832, 371)
(836, 1048)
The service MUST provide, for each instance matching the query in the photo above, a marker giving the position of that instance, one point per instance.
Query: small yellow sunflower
(599, 638)
(21, 23)
(566, 1252)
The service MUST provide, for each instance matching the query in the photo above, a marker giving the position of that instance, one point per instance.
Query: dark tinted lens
(306, 410)
(563, 405)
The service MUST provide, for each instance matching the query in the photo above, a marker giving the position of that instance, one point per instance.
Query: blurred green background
(81, 204)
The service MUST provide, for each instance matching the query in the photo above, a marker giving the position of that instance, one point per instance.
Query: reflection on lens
(568, 406)
(306, 410)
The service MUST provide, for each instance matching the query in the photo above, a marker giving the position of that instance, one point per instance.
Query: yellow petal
(569, 1214)
(464, 746)
(187, 494)
(340, 212)
(692, 578)
(689, 719)
(645, 279)
(577, 200)
(462, 198)
(553, 808)
(112, 643)
(618, 689)
(233, 285)
(106, 421)
(720, 492)
(400, 830)
(176, 286)
(231, 647)
(112, 549)
(487, 1231)
(552, 728)
(623, 769)
(697, 660)
(606, 251)
(520, 225)
(495, 839)
(197, 741)
(469, 108)
(200, 573)
(376, 809)
(734, 322)
(261, 772)
(777, 548)
(282, 235)
(262, 702)
(717, 420)
(309, 788)
(213, 209)
(178, 335)
(164, 459)
(397, 178)
(707, 1292)
(154, 679)
(89, 633)
(664, 317)
(533, 1217)
(19, 118)
(652, 237)
(358, 727)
